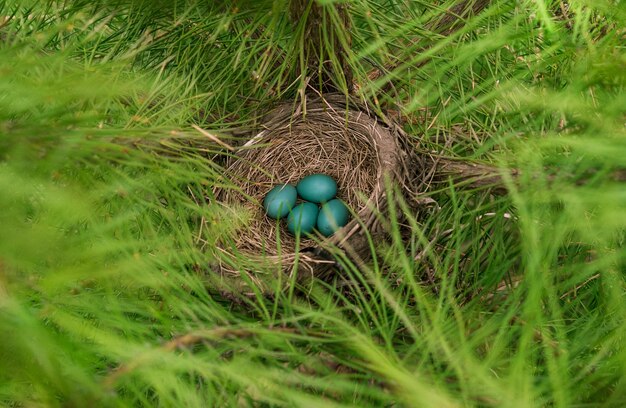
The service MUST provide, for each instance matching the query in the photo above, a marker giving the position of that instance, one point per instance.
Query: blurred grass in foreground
(513, 300)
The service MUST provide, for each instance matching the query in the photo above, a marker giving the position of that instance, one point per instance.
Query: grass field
(514, 299)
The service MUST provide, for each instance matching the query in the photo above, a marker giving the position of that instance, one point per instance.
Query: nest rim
(387, 154)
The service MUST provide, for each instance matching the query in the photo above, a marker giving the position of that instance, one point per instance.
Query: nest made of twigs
(319, 135)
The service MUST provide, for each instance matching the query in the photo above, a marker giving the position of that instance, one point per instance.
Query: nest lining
(292, 153)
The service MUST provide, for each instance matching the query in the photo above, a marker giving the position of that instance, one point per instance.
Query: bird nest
(321, 135)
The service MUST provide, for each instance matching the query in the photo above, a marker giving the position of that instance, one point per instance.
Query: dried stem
(187, 340)
(469, 175)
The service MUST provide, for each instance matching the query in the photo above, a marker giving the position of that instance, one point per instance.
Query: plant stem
(325, 38)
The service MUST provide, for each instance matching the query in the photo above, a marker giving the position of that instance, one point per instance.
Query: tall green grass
(106, 297)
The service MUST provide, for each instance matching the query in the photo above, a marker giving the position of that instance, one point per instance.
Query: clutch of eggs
(315, 189)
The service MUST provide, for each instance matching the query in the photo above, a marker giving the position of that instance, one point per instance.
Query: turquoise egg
(280, 200)
(317, 188)
(302, 218)
(333, 216)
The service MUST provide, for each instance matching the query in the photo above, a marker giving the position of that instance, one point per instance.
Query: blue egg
(317, 188)
(280, 200)
(302, 218)
(333, 216)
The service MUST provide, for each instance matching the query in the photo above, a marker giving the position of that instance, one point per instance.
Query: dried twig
(468, 174)
(188, 340)
(451, 19)
(214, 138)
